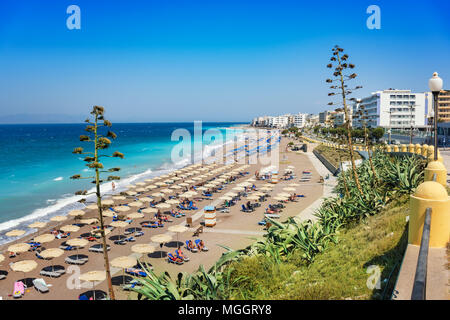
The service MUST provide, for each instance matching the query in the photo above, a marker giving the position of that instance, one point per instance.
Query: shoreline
(234, 229)
(63, 205)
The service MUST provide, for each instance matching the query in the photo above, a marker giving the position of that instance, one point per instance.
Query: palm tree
(100, 142)
(340, 64)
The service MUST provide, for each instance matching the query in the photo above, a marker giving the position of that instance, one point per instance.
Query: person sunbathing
(175, 259)
(179, 254)
(191, 245)
(200, 245)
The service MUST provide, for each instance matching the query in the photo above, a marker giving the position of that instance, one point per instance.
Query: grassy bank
(340, 272)
(333, 154)
(329, 258)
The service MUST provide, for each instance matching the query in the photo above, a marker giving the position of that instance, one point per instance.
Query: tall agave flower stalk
(362, 115)
(340, 65)
(344, 179)
(100, 142)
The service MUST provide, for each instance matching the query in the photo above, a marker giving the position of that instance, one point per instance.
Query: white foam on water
(70, 202)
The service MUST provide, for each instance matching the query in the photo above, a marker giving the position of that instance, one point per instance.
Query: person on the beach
(191, 245)
(201, 245)
(113, 186)
(179, 254)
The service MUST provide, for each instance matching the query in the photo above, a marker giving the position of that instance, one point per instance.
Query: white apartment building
(394, 109)
(299, 120)
(339, 118)
(279, 121)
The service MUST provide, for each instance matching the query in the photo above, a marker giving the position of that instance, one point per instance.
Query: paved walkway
(308, 213)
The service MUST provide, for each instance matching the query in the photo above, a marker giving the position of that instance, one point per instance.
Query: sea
(36, 163)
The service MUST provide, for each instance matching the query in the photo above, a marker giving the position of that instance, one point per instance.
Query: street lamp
(435, 84)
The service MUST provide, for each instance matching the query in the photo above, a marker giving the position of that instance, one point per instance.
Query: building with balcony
(444, 106)
(397, 109)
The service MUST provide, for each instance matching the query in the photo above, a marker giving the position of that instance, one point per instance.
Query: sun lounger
(52, 272)
(197, 243)
(172, 259)
(272, 215)
(139, 234)
(185, 259)
(130, 239)
(66, 247)
(99, 248)
(19, 289)
(133, 283)
(136, 272)
(40, 285)
(77, 259)
(191, 250)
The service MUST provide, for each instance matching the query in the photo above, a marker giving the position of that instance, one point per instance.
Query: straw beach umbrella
(150, 210)
(2, 257)
(70, 228)
(108, 202)
(123, 263)
(44, 238)
(119, 224)
(163, 205)
(15, 233)
(37, 225)
(51, 253)
(24, 266)
(136, 204)
(122, 208)
(77, 243)
(19, 247)
(143, 248)
(105, 213)
(76, 213)
(161, 238)
(289, 189)
(93, 276)
(119, 198)
(173, 201)
(58, 218)
(92, 206)
(135, 215)
(89, 221)
(178, 229)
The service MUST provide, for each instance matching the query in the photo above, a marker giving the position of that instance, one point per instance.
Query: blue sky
(209, 60)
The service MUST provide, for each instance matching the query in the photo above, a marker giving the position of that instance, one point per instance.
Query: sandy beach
(234, 229)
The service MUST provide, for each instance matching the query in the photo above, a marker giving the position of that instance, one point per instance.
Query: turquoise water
(37, 162)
